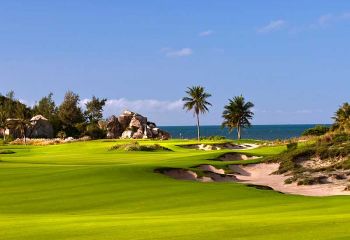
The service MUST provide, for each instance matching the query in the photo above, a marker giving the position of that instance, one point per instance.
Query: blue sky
(290, 58)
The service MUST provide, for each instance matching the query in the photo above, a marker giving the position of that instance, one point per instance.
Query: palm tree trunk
(238, 132)
(198, 128)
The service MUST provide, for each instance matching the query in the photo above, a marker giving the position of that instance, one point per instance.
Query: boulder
(127, 134)
(163, 135)
(138, 134)
(40, 127)
(151, 124)
(134, 125)
(125, 118)
(114, 129)
(138, 121)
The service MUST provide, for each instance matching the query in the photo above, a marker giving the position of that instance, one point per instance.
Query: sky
(290, 58)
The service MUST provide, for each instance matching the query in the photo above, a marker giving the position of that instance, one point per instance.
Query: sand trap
(210, 174)
(261, 174)
(221, 177)
(210, 147)
(210, 168)
(181, 174)
(236, 156)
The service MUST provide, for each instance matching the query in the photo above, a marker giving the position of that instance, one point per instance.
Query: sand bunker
(210, 174)
(210, 168)
(181, 174)
(261, 174)
(210, 147)
(236, 156)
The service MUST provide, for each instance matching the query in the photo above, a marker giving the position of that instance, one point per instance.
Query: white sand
(236, 156)
(260, 174)
(210, 147)
(210, 168)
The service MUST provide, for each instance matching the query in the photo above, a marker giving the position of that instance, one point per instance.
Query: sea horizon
(257, 131)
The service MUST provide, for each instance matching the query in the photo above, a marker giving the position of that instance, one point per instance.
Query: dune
(262, 174)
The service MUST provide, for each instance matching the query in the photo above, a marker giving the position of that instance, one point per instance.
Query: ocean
(262, 132)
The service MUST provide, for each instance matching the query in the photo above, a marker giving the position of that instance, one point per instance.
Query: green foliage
(46, 107)
(292, 146)
(342, 118)
(196, 100)
(70, 114)
(6, 151)
(215, 138)
(316, 131)
(61, 134)
(94, 131)
(135, 146)
(94, 109)
(12, 108)
(237, 114)
(341, 137)
(328, 147)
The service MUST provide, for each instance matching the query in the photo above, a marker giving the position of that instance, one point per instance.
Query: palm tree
(196, 101)
(342, 117)
(237, 114)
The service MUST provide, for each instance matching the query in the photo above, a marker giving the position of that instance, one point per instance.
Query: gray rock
(127, 134)
(114, 129)
(40, 127)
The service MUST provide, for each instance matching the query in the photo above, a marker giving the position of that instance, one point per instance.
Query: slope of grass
(84, 191)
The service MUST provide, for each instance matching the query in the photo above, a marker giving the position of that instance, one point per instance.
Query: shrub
(318, 130)
(341, 137)
(61, 134)
(216, 137)
(292, 146)
(135, 146)
(6, 151)
(93, 131)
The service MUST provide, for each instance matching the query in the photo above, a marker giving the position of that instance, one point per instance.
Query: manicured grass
(84, 191)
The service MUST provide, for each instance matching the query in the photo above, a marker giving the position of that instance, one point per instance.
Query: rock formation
(40, 127)
(133, 125)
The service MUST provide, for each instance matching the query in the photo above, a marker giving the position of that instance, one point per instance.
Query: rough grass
(135, 146)
(335, 151)
(84, 191)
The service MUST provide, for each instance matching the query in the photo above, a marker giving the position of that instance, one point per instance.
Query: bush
(292, 146)
(217, 137)
(8, 139)
(93, 131)
(341, 137)
(61, 134)
(6, 151)
(135, 146)
(318, 130)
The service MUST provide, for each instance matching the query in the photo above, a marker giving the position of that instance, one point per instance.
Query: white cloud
(272, 26)
(183, 52)
(143, 106)
(325, 19)
(329, 19)
(206, 33)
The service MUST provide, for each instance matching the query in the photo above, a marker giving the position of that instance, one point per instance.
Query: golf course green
(84, 190)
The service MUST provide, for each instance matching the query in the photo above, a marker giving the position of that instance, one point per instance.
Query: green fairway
(85, 191)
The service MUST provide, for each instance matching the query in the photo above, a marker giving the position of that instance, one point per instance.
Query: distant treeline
(67, 119)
